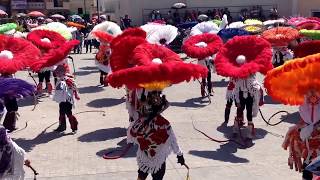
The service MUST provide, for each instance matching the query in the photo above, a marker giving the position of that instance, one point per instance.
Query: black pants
(11, 104)
(227, 110)
(44, 76)
(208, 80)
(102, 77)
(65, 108)
(307, 175)
(157, 176)
(88, 44)
(245, 104)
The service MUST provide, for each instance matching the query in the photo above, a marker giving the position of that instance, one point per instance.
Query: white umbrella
(179, 5)
(238, 24)
(107, 26)
(163, 35)
(203, 17)
(205, 27)
(58, 16)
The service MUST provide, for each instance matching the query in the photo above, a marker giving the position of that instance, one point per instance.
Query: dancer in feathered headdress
(237, 60)
(147, 69)
(280, 37)
(226, 35)
(104, 33)
(203, 47)
(297, 83)
(65, 92)
(55, 49)
(15, 54)
(45, 40)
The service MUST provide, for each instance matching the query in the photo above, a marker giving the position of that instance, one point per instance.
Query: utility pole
(98, 8)
(85, 7)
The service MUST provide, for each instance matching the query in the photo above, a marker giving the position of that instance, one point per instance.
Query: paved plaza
(79, 157)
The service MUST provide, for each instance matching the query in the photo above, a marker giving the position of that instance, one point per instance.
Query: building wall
(134, 8)
(305, 7)
(75, 4)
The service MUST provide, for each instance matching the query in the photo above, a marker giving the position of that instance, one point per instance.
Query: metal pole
(85, 8)
(98, 10)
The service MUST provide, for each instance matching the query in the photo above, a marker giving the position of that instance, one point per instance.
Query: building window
(58, 3)
(316, 14)
(80, 11)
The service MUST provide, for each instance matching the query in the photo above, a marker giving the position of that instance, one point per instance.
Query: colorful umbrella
(179, 5)
(3, 13)
(19, 15)
(36, 14)
(58, 16)
(290, 82)
(75, 16)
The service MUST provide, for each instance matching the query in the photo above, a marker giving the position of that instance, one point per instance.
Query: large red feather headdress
(122, 47)
(46, 40)
(154, 68)
(244, 55)
(55, 48)
(202, 46)
(307, 48)
(16, 54)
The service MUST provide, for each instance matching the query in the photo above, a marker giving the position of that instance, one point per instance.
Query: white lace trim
(250, 87)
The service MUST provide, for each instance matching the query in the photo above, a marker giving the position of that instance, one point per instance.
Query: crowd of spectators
(178, 16)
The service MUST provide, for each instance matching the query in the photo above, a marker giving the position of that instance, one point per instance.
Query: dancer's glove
(181, 160)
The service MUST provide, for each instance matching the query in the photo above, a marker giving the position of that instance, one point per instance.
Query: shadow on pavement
(192, 103)
(222, 83)
(292, 118)
(85, 73)
(118, 150)
(103, 134)
(105, 102)
(89, 68)
(88, 59)
(226, 152)
(42, 138)
(269, 100)
(90, 89)
(28, 101)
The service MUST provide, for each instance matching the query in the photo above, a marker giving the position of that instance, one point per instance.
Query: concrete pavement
(70, 157)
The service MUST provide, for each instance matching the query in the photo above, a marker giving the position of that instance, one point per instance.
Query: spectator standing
(127, 22)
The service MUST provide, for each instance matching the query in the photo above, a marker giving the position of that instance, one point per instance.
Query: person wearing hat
(302, 140)
(237, 61)
(65, 93)
(148, 69)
